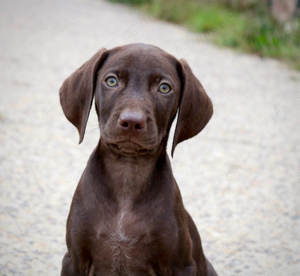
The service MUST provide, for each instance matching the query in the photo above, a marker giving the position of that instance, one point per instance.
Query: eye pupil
(164, 88)
(111, 82)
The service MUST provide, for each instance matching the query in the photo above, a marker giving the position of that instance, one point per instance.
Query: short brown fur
(127, 216)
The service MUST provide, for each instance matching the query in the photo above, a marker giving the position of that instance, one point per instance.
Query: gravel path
(240, 177)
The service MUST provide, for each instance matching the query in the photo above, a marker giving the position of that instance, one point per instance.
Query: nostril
(138, 127)
(124, 124)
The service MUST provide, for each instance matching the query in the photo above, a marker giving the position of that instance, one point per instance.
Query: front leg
(189, 270)
(210, 269)
(68, 268)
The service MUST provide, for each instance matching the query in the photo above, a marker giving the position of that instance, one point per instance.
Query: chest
(128, 243)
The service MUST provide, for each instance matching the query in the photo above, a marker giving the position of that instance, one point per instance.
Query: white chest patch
(122, 246)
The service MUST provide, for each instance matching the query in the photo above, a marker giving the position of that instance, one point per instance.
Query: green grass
(251, 29)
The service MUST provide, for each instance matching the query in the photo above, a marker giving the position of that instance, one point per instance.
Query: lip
(129, 148)
(130, 143)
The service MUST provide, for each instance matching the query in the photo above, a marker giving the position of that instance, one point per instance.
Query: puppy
(127, 216)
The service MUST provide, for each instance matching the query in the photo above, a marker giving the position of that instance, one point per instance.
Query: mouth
(129, 148)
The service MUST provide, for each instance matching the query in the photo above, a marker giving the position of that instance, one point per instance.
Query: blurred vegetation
(241, 24)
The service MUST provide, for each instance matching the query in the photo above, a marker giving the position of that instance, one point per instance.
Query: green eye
(112, 82)
(164, 88)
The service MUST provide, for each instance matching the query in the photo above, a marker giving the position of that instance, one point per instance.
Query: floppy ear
(77, 92)
(195, 107)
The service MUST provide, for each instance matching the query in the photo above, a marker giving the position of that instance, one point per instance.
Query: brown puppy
(127, 217)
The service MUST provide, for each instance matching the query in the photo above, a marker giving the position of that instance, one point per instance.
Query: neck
(131, 177)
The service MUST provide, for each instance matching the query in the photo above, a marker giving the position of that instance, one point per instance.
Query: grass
(250, 29)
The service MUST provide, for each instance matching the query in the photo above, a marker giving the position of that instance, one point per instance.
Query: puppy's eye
(112, 82)
(164, 88)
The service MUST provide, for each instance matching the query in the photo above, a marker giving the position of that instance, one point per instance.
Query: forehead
(141, 60)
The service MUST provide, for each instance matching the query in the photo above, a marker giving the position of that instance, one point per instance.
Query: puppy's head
(138, 89)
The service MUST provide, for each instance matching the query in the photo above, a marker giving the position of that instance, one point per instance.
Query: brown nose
(132, 122)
